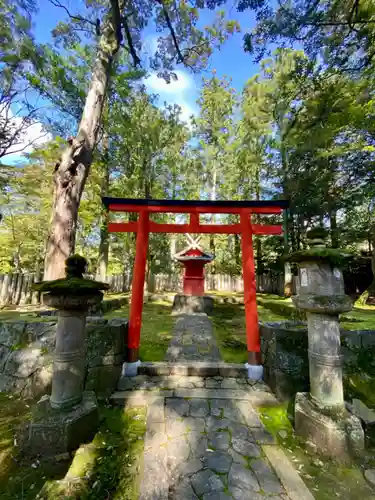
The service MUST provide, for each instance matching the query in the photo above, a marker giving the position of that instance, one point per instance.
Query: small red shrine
(193, 258)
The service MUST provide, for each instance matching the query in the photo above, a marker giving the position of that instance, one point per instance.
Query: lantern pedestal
(321, 416)
(338, 435)
(70, 416)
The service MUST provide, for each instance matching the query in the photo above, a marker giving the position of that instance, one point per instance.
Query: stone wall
(285, 351)
(99, 309)
(26, 354)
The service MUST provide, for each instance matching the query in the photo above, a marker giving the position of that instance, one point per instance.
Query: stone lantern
(321, 416)
(62, 421)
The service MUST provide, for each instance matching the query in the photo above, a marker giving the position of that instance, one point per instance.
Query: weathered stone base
(189, 304)
(52, 432)
(340, 438)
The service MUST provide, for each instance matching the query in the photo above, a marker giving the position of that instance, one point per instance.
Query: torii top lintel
(194, 208)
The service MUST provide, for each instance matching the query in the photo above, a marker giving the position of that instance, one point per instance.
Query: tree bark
(212, 237)
(237, 252)
(72, 170)
(333, 224)
(368, 296)
(288, 276)
(104, 235)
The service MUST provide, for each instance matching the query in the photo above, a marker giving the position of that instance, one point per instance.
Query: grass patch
(325, 479)
(230, 329)
(29, 313)
(157, 327)
(360, 318)
(108, 467)
(360, 386)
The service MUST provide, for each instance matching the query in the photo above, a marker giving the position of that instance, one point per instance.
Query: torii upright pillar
(194, 208)
(139, 273)
(254, 364)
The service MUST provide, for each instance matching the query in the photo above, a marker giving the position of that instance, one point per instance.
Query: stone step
(145, 397)
(194, 368)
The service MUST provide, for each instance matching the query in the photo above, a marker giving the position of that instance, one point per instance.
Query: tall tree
(184, 43)
(17, 49)
(341, 32)
(214, 129)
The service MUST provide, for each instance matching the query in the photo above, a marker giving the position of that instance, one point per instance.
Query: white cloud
(183, 82)
(181, 91)
(186, 111)
(32, 135)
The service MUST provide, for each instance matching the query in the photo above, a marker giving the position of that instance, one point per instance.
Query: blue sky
(230, 61)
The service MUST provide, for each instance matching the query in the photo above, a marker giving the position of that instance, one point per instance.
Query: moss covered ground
(325, 479)
(108, 467)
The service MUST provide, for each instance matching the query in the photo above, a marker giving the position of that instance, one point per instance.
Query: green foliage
(296, 131)
(110, 463)
(340, 31)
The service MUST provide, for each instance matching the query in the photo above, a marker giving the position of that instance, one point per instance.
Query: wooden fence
(15, 289)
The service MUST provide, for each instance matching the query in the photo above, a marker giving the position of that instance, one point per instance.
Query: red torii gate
(143, 226)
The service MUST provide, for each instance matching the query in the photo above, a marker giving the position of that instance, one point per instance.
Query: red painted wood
(251, 312)
(267, 229)
(155, 227)
(194, 223)
(122, 227)
(139, 273)
(194, 277)
(118, 207)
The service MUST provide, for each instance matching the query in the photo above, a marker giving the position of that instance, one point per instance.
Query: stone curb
(196, 368)
(289, 478)
(155, 483)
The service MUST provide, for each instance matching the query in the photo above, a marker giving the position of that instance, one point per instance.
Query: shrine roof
(184, 256)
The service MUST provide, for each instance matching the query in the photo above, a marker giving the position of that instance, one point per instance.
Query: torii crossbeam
(143, 226)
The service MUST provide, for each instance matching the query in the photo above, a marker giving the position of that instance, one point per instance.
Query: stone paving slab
(193, 339)
(201, 451)
(204, 438)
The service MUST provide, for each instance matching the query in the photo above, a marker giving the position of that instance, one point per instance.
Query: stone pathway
(193, 339)
(204, 440)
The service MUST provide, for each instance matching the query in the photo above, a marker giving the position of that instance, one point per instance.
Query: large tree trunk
(72, 170)
(212, 237)
(368, 296)
(288, 277)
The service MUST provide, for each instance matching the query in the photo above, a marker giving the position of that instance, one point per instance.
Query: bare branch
(57, 3)
(180, 58)
(131, 47)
